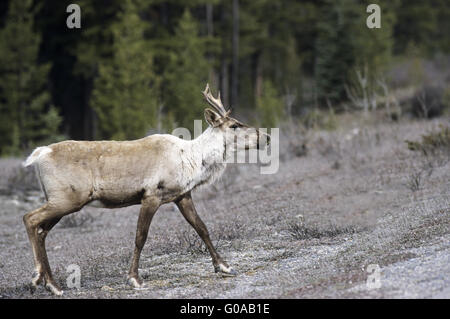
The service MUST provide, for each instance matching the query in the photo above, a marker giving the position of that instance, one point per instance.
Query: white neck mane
(205, 155)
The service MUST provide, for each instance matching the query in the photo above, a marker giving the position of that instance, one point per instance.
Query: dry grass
(309, 230)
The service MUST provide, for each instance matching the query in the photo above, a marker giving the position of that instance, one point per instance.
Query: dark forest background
(137, 67)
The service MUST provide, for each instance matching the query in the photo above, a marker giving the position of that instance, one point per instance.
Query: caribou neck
(208, 149)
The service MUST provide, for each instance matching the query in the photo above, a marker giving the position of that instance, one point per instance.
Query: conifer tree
(125, 91)
(27, 117)
(334, 52)
(345, 44)
(186, 73)
(270, 106)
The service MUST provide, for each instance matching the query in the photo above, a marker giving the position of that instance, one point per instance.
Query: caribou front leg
(187, 208)
(148, 210)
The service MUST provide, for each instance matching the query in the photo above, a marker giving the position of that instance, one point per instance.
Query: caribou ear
(212, 117)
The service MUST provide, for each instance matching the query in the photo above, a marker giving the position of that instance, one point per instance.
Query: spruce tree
(270, 106)
(27, 116)
(125, 91)
(186, 73)
(334, 52)
(345, 44)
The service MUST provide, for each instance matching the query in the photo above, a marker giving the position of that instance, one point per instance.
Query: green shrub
(270, 106)
(317, 119)
(433, 143)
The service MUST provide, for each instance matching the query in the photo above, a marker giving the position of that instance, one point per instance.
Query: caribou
(150, 171)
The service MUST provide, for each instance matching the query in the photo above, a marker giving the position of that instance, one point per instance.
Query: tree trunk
(223, 77)
(88, 114)
(209, 19)
(257, 75)
(210, 34)
(235, 55)
(164, 14)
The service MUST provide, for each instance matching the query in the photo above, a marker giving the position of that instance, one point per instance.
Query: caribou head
(238, 135)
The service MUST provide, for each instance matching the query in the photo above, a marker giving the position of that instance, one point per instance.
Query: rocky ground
(360, 216)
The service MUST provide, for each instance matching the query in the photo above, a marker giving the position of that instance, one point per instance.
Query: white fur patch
(36, 279)
(136, 284)
(225, 269)
(54, 290)
(37, 154)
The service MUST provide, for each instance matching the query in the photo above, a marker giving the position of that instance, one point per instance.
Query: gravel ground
(359, 198)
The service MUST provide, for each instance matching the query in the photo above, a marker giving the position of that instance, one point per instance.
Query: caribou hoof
(136, 282)
(225, 271)
(54, 289)
(39, 278)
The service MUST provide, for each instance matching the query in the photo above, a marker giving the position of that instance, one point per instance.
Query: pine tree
(269, 47)
(270, 105)
(125, 91)
(344, 44)
(334, 52)
(186, 73)
(373, 47)
(27, 117)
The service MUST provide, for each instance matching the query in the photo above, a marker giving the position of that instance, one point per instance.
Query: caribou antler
(216, 103)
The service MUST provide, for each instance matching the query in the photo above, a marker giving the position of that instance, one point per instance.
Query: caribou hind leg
(38, 224)
(187, 208)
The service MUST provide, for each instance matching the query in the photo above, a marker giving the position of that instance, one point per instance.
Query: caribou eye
(234, 126)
